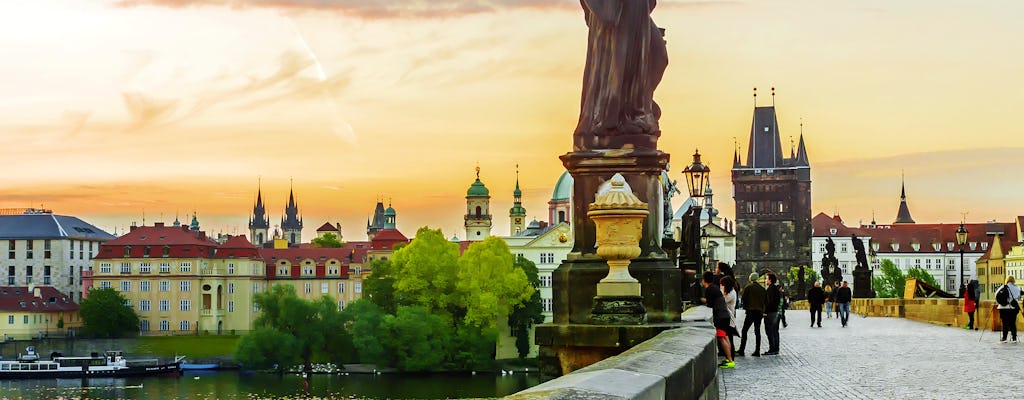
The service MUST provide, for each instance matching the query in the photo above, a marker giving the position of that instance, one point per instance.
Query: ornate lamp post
(696, 175)
(961, 240)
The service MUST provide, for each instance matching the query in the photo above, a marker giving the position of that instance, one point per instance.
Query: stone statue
(858, 249)
(626, 58)
(670, 188)
(830, 271)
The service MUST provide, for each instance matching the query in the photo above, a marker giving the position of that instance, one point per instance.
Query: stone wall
(677, 364)
(947, 312)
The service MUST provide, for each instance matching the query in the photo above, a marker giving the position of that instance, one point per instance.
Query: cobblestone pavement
(877, 358)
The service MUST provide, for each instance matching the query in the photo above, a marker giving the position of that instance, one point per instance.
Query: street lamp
(961, 239)
(697, 176)
(705, 248)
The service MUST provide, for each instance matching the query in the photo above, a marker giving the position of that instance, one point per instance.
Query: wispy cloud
(146, 111)
(369, 8)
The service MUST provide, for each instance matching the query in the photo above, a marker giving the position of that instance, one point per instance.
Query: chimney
(132, 228)
(158, 224)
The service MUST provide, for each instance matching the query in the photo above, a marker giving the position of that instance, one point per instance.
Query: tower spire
(903, 215)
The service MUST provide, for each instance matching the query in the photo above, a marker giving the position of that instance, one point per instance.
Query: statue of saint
(626, 58)
(858, 249)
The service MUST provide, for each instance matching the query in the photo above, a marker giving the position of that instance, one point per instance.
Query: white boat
(111, 364)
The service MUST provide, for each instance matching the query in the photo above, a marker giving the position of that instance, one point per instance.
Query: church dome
(563, 189)
(477, 189)
(390, 212)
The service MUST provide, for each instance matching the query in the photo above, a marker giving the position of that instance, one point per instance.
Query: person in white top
(1008, 303)
(728, 286)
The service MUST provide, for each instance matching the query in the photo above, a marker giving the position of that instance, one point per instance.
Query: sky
(124, 111)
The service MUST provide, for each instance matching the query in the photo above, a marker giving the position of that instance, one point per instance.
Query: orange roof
(327, 227)
(927, 235)
(161, 234)
(19, 298)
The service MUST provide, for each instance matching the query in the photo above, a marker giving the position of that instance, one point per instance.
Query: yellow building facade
(36, 312)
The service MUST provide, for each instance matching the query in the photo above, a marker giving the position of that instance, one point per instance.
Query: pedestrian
(970, 303)
(815, 299)
(720, 315)
(785, 306)
(728, 287)
(843, 298)
(828, 299)
(772, 308)
(753, 298)
(1008, 301)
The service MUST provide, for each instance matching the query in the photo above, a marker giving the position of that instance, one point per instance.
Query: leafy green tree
(365, 328)
(104, 313)
(379, 287)
(528, 313)
(472, 349)
(266, 348)
(922, 275)
(489, 286)
(417, 337)
(328, 240)
(313, 325)
(810, 276)
(890, 282)
(425, 272)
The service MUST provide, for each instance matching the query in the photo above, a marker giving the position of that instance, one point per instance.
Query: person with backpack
(1008, 301)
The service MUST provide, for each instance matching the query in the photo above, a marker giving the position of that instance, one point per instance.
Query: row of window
(47, 249)
(357, 287)
(35, 319)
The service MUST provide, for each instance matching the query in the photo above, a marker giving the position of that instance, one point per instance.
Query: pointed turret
(903, 216)
(291, 223)
(378, 221)
(517, 214)
(801, 154)
(389, 217)
(194, 226)
(765, 148)
(736, 157)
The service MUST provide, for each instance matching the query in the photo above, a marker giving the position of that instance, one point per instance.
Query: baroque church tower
(259, 222)
(478, 210)
(517, 214)
(291, 223)
(773, 200)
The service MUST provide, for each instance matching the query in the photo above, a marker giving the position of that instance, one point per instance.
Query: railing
(211, 271)
(211, 313)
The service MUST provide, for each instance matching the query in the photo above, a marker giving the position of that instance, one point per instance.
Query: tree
(425, 272)
(365, 329)
(489, 287)
(417, 337)
(104, 313)
(266, 348)
(316, 328)
(379, 287)
(528, 313)
(328, 240)
(893, 282)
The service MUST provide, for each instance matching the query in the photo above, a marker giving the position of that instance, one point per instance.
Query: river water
(230, 385)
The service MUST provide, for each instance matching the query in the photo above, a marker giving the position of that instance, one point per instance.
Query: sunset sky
(111, 109)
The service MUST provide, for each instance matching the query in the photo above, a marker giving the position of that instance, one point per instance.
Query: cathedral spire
(903, 215)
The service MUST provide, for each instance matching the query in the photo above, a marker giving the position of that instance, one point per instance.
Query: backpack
(1003, 296)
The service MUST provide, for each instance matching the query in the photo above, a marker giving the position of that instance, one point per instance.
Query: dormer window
(949, 246)
(832, 231)
(937, 246)
(984, 246)
(916, 246)
(127, 251)
(895, 246)
(973, 245)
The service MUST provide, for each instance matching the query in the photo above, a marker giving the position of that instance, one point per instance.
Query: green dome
(390, 212)
(477, 189)
(563, 189)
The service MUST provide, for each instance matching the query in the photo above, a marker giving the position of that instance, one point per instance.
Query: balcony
(211, 313)
(211, 271)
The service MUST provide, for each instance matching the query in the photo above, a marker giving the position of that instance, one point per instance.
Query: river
(229, 385)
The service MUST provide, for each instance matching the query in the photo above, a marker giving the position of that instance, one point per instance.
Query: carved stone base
(862, 284)
(574, 287)
(618, 310)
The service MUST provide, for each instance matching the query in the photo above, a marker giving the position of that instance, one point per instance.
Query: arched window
(561, 216)
(479, 211)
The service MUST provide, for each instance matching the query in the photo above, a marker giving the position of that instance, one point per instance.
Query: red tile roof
(926, 235)
(237, 247)
(327, 227)
(351, 253)
(19, 298)
(822, 226)
(386, 239)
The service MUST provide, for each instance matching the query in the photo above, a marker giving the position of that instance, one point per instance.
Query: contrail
(341, 127)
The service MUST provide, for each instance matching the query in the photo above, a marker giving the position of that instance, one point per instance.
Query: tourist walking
(728, 286)
(753, 298)
(720, 315)
(829, 296)
(843, 298)
(1008, 304)
(970, 303)
(785, 306)
(771, 312)
(815, 299)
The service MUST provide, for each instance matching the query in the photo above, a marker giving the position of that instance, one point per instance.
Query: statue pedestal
(862, 283)
(565, 348)
(618, 310)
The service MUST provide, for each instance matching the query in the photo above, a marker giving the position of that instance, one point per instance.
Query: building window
(341, 287)
(186, 267)
(308, 270)
(143, 305)
(764, 240)
(545, 305)
(255, 287)
(164, 305)
(165, 268)
(144, 325)
(144, 286)
(145, 268)
(165, 325)
(28, 249)
(104, 284)
(308, 287)
(10, 250)
(341, 305)
(126, 286)
(105, 268)
(25, 320)
(545, 281)
(231, 306)
(357, 287)
(126, 268)
(183, 326)
(46, 249)
(282, 271)
(231, 268)
(842, 247)
(10, 320)
(185, 286)
(356, 270)
(324, 288)
(231, 287)
(165, 286)
(185, 305)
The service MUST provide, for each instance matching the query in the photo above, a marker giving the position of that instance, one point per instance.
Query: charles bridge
(892, 349)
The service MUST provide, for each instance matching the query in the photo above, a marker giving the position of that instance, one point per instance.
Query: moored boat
(110, 364)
